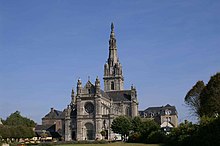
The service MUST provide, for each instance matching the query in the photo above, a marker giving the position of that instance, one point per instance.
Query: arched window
(128, 111)
(112, 86)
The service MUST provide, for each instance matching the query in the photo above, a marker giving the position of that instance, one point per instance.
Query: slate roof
(54, 114)
(45, 127)
(159, 110)
(121, 95)
(104, 94)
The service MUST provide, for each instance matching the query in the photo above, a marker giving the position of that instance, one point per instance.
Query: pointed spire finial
(112, 27)
(112, 35)
(79, 83)
(73, 91)
(97, 81)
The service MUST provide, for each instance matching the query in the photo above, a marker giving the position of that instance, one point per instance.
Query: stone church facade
(92, 109)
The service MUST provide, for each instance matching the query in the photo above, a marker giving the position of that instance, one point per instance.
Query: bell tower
(113, 77)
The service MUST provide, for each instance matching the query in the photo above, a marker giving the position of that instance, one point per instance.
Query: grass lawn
(112, 144)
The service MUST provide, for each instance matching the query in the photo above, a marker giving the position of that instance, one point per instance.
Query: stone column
(68, 129)
(98, 128)
(79, 135)
(111, 134)
(98, 121)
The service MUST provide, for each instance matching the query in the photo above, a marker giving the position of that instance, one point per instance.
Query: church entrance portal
(89, 131)
(74, 135)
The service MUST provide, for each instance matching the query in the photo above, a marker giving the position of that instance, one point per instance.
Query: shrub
(148, 126)
(134, 138)
(156, 137)
(205, 134)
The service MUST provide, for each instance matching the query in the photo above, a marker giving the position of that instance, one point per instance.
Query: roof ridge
(117, 91)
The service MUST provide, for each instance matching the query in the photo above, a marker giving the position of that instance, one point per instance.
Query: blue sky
(165, 47)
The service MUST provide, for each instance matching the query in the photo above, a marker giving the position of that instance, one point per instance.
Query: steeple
(113, 78)
(113, 56)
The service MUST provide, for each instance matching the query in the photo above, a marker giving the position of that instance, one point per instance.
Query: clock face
(89, 107)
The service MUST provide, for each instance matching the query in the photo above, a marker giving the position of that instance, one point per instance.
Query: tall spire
(113, 57)
(113, 78)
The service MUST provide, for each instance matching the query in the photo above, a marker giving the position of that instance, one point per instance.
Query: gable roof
(120, 95)
(54, 114)
(89, 84)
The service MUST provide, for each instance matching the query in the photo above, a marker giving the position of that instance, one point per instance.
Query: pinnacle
(112, 27)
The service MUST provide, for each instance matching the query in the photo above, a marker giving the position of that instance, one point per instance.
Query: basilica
(92, 109)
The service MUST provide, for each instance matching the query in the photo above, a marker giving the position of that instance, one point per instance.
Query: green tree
(156, 137)
(121, 125)
(16, 126)
(207, 133)
(192, 98)
(16, 131)
(136, 123)
(204, 100)
(210, 97)
(5, 131)
(182, 135)
(148, 126)
(15, 119)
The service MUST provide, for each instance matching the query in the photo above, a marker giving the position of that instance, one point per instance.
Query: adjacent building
(166, 116)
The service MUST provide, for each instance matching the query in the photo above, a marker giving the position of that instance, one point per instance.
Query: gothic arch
(89, 131)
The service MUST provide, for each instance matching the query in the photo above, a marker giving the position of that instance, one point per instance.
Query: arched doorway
(89, 131)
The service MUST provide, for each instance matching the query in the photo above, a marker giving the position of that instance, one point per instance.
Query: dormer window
(167, 112)
(89, 91)
(145, 115)
(151, 115)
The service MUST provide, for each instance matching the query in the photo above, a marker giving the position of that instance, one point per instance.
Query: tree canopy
(138, 130)
(210, 97)
(136, 123)
(121, 125)
(17, 126)
(192, 98)
(15, 119)
(204, 100)
(16, 131)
